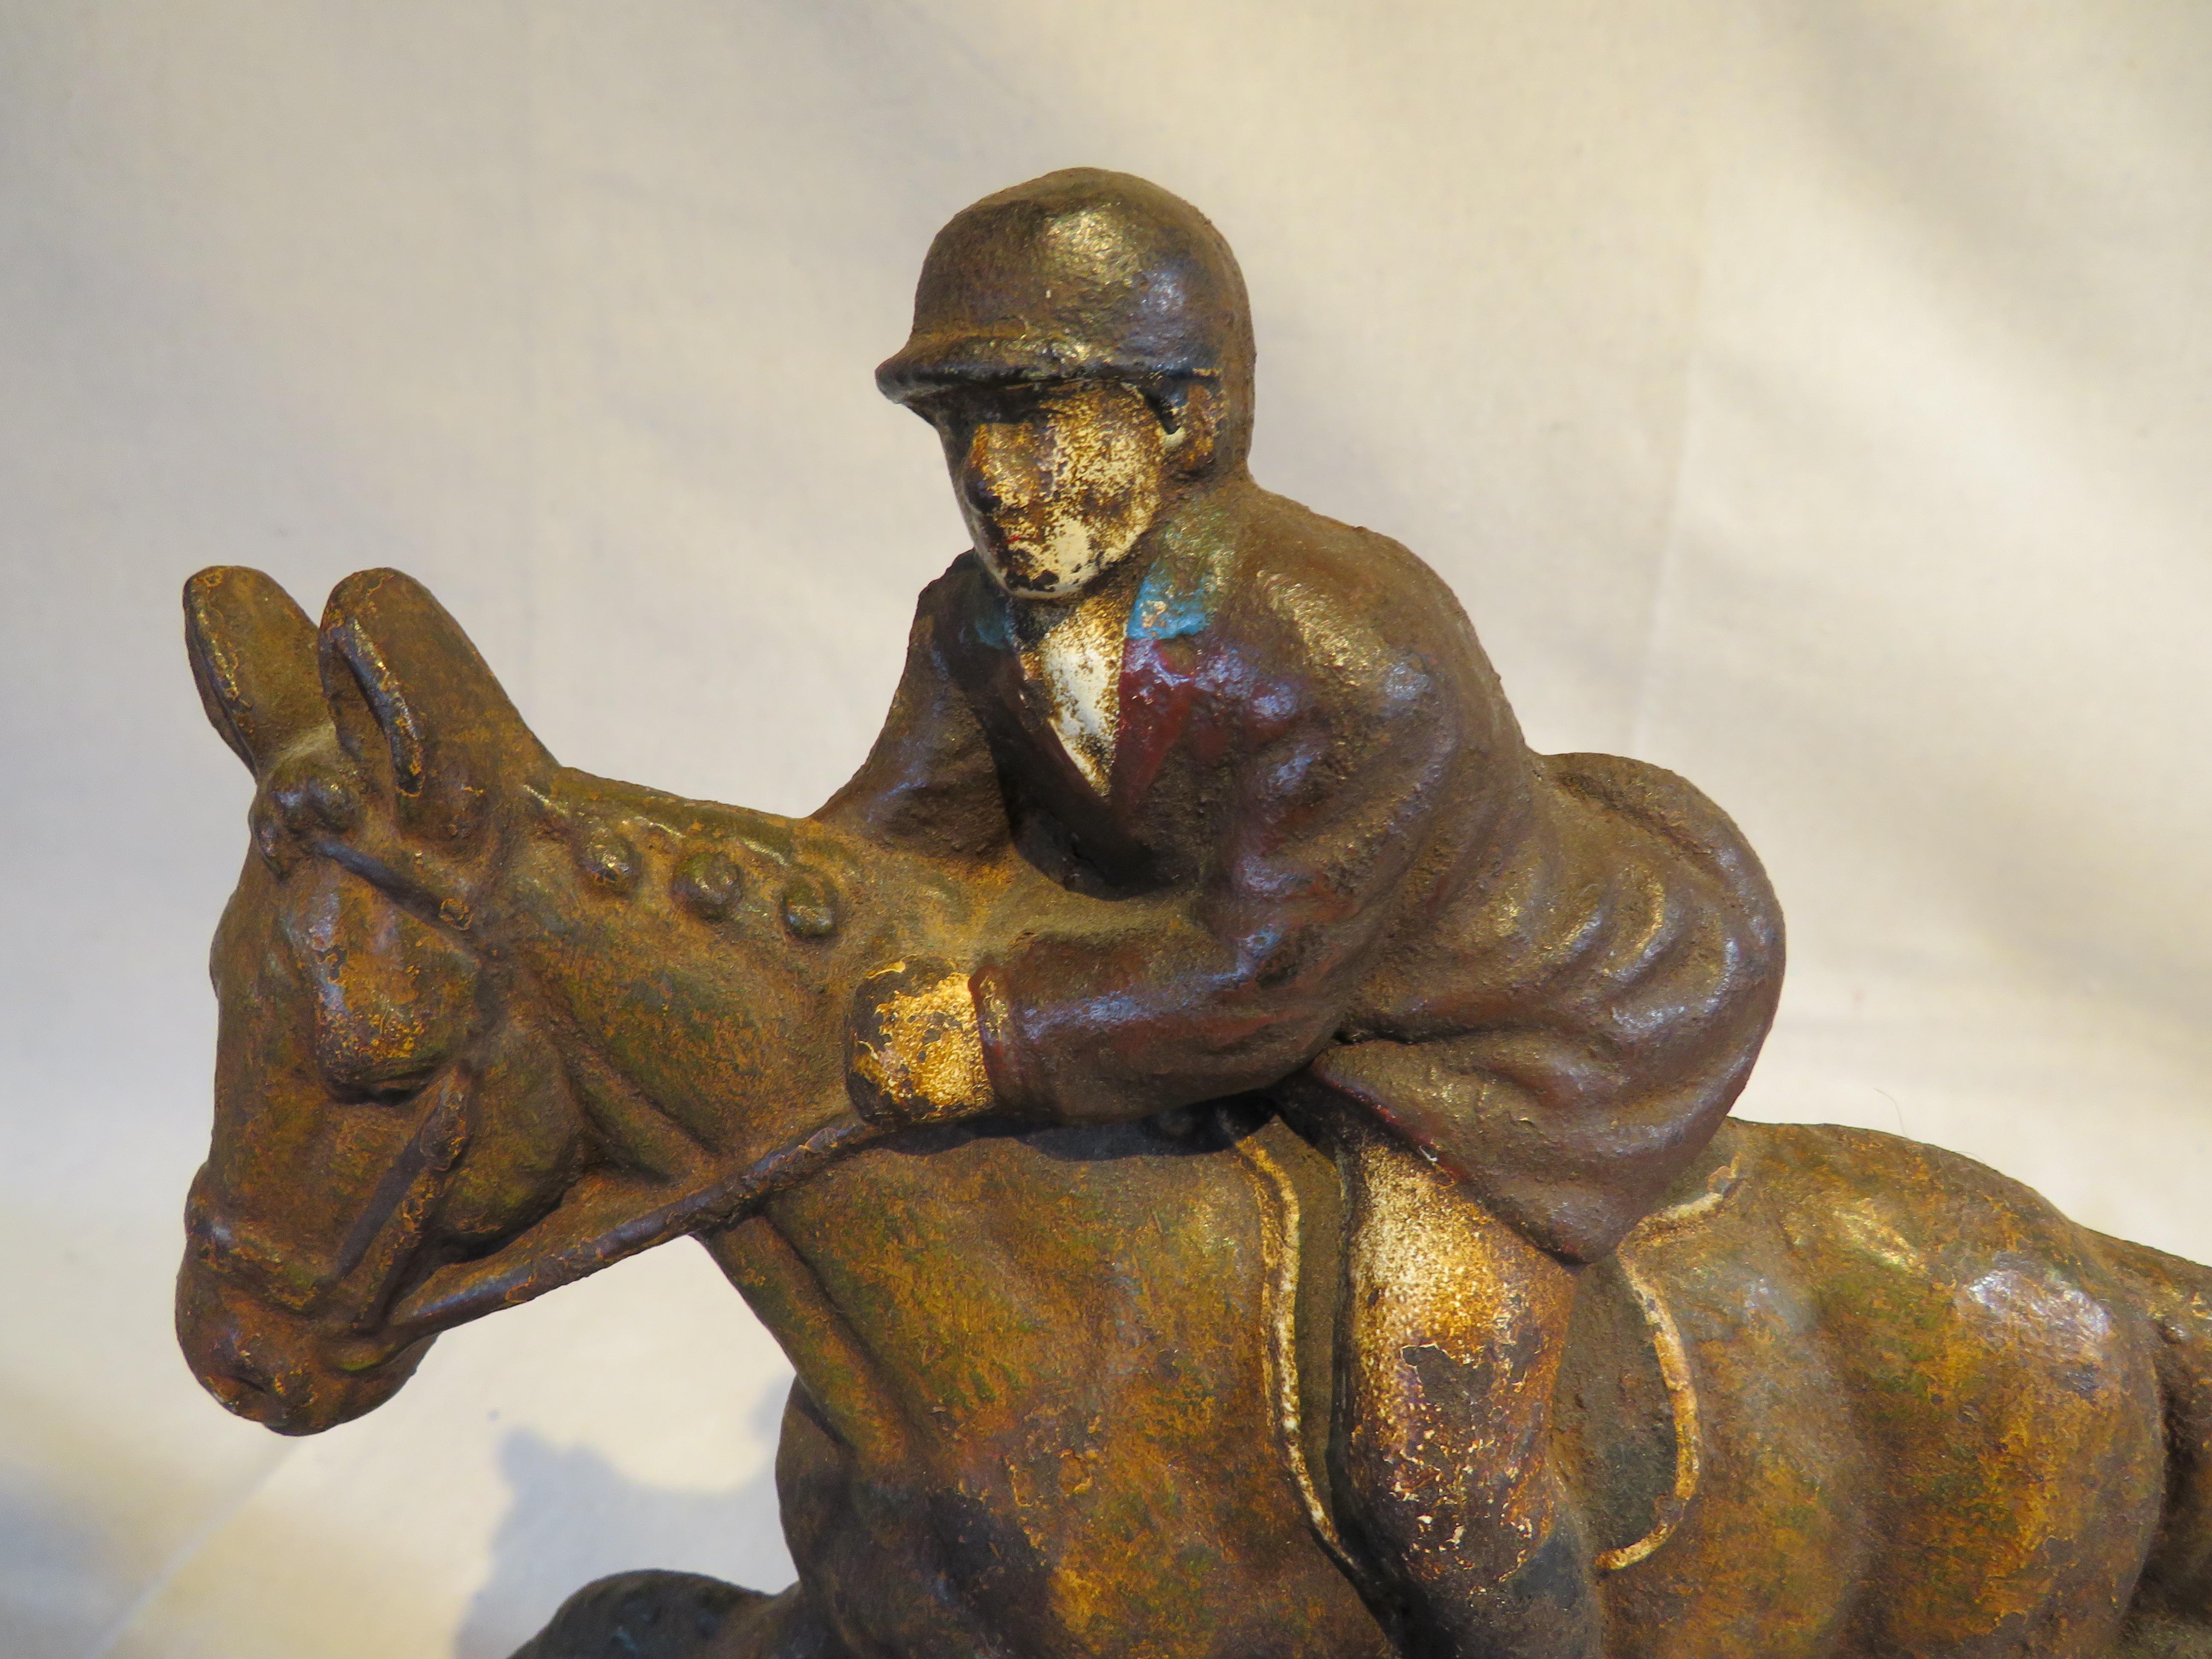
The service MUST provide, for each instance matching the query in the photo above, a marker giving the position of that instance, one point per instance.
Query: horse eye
(395, 1091)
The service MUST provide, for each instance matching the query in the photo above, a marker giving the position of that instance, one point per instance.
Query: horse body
(1029, 1372)
(1914, 1440)
(1934, 1408)
(1058, 1428)
(491, 1024)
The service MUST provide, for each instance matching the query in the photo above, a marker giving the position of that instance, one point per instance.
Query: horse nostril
(245, 1391)
(216, 1339)
(248, 1379)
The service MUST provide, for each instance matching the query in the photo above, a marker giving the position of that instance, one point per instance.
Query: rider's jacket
(1330, 858)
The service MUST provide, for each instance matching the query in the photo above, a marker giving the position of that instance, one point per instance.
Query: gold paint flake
(931, 1057)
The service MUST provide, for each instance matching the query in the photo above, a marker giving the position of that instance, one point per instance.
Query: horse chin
(278, 1368)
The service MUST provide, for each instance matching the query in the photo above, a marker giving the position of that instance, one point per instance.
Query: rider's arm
(928, 784)
(1351, 781)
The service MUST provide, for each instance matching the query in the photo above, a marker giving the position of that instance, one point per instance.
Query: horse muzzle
(279, 1368)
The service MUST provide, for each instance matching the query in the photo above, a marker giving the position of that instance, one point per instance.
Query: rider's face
(1057, 482)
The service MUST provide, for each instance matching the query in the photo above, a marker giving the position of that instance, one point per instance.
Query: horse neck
(701, 957)
(943, 1290)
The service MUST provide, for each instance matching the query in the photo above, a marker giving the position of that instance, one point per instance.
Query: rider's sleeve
(928, 785)
(1233, 981)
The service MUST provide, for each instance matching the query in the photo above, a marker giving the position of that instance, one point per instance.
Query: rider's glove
(914, 1054)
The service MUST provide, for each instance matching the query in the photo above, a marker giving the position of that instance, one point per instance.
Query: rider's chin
(1029, 574)
(1019, 560)
(266, 1365)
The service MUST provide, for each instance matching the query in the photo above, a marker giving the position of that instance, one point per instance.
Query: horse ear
(254, 658)
(405, 685)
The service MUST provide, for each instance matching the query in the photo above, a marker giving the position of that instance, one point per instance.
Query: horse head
(486, 1023)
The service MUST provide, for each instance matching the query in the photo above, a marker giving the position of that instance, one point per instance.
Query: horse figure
(489, 1024)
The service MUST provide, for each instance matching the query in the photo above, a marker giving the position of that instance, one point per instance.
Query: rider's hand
(914, 1054)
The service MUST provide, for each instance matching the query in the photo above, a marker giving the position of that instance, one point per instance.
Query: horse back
(2173, 1600)
(1918, 1373)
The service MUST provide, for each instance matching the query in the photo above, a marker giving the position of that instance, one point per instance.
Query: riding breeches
(1451, 1335)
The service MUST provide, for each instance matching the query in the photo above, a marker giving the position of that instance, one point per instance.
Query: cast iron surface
(489, 1024)
(1233, 1142)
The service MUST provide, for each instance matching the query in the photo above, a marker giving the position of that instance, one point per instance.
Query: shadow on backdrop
(575, 1518)
(60, 1583)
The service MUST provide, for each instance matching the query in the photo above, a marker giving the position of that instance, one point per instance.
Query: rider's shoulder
(955, 585)
(1351, 605)
(960, 596)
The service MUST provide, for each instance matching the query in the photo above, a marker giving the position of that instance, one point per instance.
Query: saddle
(1625, 1417)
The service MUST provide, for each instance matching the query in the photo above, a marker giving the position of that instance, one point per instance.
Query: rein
(381, 1241)
(379, 1247)
(455, 1294)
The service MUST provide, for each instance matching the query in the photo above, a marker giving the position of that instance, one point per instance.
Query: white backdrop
(1816, 398)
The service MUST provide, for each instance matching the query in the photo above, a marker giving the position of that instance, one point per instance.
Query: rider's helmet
(1082, 274)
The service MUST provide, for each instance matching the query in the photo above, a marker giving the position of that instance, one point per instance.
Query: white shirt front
(1074, 652)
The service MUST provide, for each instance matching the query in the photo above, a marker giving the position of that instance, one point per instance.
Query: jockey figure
(1514, 994)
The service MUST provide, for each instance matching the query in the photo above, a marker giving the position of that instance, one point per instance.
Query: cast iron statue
(1233, 1144)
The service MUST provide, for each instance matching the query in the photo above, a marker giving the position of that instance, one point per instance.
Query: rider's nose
(980, 484)
(981, 494)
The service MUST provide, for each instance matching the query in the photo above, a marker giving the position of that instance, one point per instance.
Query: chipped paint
(1072, 650)
(1057, 483)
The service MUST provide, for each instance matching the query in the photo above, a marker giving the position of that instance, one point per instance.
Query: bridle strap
(381, 1241)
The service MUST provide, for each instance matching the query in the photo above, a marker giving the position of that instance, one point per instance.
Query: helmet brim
(947, 359)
